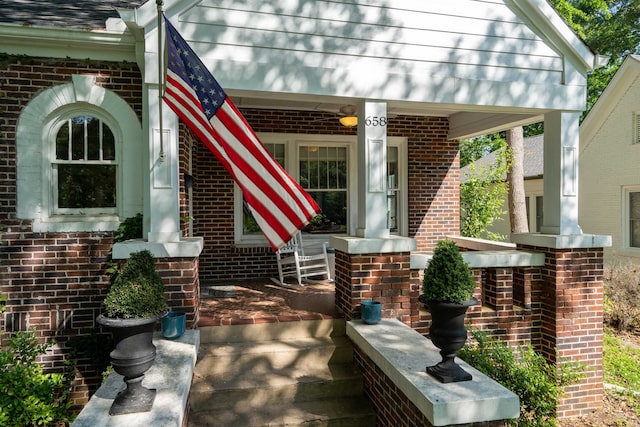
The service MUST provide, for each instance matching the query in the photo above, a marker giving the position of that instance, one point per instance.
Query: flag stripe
(306, 200)
(270, 174)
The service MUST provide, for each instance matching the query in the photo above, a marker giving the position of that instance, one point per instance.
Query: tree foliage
(608, 27)
(482, 196)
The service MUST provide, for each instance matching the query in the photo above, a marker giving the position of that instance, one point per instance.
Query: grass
(621, 363)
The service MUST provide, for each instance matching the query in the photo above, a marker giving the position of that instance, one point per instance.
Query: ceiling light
(349, 121)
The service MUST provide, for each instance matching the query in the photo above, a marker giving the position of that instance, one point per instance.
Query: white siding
(608, 164)
(405, 49)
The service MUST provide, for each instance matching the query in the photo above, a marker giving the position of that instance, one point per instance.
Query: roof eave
(73, 43)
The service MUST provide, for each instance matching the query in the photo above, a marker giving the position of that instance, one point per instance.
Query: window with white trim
(636, 128)
(325, 166)
(630, 217)
(323, 173)
(84, 167)
(634, 218)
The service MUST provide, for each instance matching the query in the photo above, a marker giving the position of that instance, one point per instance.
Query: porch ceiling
(464, 122)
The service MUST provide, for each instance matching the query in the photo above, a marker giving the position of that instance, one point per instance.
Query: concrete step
(273, 331)
(275, 387)
(339, 412)
(279, 374)
(253, 358)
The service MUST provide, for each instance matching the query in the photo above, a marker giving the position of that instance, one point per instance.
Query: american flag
(280, 206)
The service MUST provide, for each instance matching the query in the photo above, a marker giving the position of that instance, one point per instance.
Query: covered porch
(526, 66)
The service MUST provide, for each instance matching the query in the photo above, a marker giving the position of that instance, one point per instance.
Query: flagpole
(159, 4)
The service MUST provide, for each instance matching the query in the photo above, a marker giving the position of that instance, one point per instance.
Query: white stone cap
(403, 354)
(486, 259)
(170, 375)
(556, 241)
(367, 245)
(185, 248)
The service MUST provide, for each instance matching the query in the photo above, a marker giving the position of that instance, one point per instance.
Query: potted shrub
(447, 291)
(132, 308)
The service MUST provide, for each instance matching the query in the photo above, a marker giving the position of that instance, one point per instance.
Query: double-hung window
(323, 174)
(633, 218)
(84, 168)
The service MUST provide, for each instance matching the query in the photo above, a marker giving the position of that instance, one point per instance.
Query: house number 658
(375, 121)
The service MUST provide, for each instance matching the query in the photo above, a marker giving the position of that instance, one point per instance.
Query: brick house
(85, 74)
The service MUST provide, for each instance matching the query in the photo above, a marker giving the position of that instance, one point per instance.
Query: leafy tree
(482, 196)
(475, 148)
(608, 27)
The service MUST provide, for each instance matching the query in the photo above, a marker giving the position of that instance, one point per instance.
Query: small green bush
(622, 296)
(447, 278)
(138, 290)
(130, 228)
(28, 395)
(537, 382)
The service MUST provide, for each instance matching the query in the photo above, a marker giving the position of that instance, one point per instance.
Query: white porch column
(561, 151)
(161, 201)
(372, 170)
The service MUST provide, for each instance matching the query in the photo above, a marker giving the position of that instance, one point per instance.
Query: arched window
(80, 151)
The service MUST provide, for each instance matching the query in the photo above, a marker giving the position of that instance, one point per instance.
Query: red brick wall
(383, 277)
(433, 189)
(181, 285)
(434, 180)
(55, 282)
(572, 305)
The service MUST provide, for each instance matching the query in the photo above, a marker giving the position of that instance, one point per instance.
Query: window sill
(76, 223)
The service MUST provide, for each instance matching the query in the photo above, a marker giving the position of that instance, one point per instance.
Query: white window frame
(53, 131)
(292, 143)
(626, 229)
(36, 124)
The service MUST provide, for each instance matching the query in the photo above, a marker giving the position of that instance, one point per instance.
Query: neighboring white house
(610, 164)
(533, 184)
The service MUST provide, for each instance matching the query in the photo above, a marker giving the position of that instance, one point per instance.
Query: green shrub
(537, 382)
(447, 278)
(28, 395)
(482, 196)
(622, 296)
(138, 290)
(130, 228)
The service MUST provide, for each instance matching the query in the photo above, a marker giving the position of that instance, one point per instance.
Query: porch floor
(262, 301)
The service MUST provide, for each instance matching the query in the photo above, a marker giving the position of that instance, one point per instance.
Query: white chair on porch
(294, 262)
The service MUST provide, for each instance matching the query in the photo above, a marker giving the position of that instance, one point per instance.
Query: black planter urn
(133, 355)
(448, 333)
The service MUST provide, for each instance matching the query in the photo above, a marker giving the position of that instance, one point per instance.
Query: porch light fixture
(348, 118)
(349, 121)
